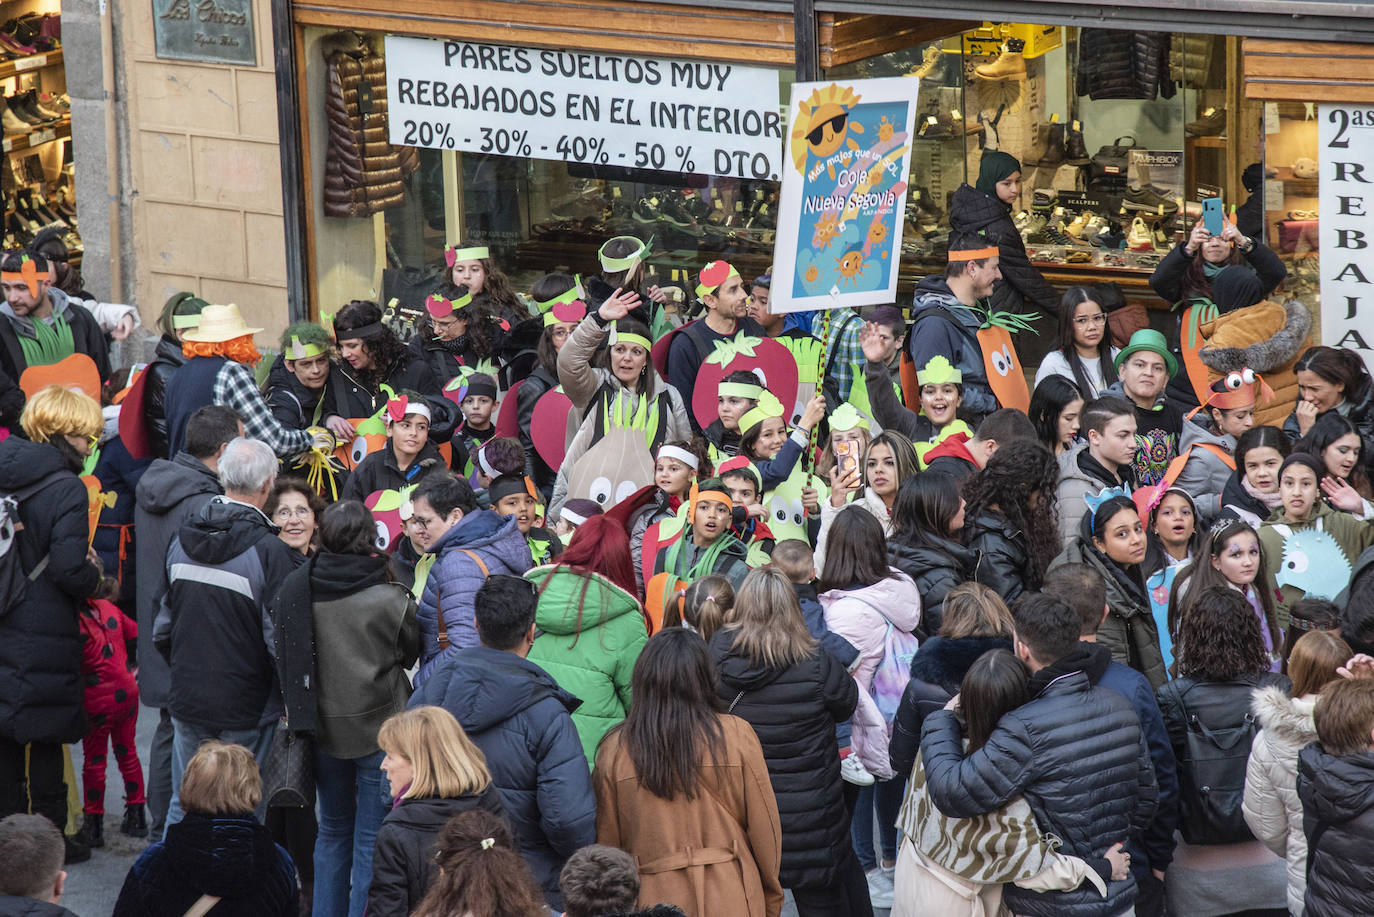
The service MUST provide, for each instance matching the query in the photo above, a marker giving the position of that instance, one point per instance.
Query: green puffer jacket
(588, 634)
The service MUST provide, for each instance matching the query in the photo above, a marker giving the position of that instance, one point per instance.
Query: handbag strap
(202, 905)
(731, 708)
(439, 600)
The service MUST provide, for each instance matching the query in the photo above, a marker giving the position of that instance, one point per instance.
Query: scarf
(50, 343)
(1210, 270)
(1270, 501)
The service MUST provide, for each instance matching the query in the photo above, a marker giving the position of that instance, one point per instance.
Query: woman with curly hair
(481, 873)
(1223, 661)
(1011, 519)
(1112, 540)
(471, 266)
(374, 356)
(456, 330)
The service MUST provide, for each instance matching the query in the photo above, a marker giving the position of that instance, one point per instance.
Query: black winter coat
(87, 337)
(937, 671)
(347, 395)
(793, 712)
(232, 858)
(40, 637)
(935, 571)
(11, 401)
(1116, 64)
(293, 405)
(1002, 555)
(521, 719)
(381, 471)
(527, 395)
(1022, 288)
(1171, 274)
(403, 865)
(169, 493)
(11, 906)
(1077, 754)
(1338, 801)
(167, 359)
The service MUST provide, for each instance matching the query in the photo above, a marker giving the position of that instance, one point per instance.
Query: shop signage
(215, 31)
(843, 194)
(579, 106)
(1345, 135)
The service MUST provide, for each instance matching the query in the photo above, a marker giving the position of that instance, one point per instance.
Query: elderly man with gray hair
(214, 627)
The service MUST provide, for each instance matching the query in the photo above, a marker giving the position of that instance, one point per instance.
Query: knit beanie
(1235, 287)
(995, 167)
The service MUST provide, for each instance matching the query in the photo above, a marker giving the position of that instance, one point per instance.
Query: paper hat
(573, 311)
(439, 307)
(768, 406)
(677, 453)
(709, 489)
(578, 510)
(397, 408)
(619, 337)
(1146, 499)
(750, 390)
(571, 294)
(473, 253)
(219, 324)
(1096, 500)
(847, 417)
(939, 371)
(1239, 389)
(29, 273)
(741, 463)
(971, 248)
(713, 275)
(628, 262)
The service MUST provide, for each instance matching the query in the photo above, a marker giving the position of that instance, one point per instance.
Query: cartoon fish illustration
(1312, 562)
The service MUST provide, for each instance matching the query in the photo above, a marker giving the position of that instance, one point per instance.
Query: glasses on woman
(1084, 321)
(287, 512)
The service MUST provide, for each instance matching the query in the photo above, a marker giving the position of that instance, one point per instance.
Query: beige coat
(713, 856)
(1272, 807)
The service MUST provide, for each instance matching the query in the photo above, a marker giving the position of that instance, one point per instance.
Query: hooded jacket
(213, 626)
(937, 671)
(1130, 630)
(1272, 807)
(381, 471)
(865, 500)
(935, 570)
(589, 632)
(40, 636)
(230, 857)
(456, 576)
(1204, 475)
(794, 711)
(1337, 796)
(862, 616)
(1074, 485)
(403, 866)
(167, 359)
(293, 405)
(87, 336)
(169, 493)
(933, 334)
(1002, 552)
(951, 456)
(518, 715)
(1022, 288)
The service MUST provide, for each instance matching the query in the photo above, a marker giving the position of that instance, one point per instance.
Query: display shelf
(19, 65)
(37, 137)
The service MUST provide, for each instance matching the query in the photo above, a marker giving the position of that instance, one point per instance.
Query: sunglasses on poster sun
(818, 132)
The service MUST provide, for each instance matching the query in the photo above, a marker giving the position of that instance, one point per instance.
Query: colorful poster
(843, 194)
(1345, 140)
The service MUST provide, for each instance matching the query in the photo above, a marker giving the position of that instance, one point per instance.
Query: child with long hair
(1010, 518)
(481, 873)
(705, 604)
(1230, 555)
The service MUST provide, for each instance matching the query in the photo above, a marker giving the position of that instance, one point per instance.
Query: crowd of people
(586, 601)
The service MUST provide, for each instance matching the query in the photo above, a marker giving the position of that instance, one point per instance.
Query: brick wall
(206, 176)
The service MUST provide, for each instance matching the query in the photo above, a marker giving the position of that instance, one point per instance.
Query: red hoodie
(953, 447)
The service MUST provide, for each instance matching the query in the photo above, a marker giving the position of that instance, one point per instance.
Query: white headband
(572, 517)
(486, 465)
(415, 407)
(679, 453)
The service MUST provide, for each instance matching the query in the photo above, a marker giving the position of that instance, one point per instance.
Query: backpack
(1211, 776)
(14, 581)
(894, 671)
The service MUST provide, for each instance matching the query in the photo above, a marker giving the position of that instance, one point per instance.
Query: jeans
(886, 797)
(352, 804)
(188, 737)
(159, 776)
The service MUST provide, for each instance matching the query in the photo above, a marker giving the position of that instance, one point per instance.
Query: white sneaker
(853, 771)
(880, 888)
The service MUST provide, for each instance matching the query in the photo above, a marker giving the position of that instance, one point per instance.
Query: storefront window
(1290, 194)
(537, 214)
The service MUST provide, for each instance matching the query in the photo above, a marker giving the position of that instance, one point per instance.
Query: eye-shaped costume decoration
(620, 460)
(390, 510)
(370, 435)
(1313, 561)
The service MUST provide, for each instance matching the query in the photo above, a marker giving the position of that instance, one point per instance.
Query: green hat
(1151, 340)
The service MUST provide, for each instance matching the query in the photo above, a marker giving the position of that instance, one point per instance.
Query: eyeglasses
(286, 512)
(1084, 321)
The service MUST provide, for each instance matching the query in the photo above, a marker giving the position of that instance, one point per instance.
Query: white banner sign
(609, 109)
(1346, 196)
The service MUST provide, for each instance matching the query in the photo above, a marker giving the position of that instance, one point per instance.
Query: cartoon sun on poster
(843, 201)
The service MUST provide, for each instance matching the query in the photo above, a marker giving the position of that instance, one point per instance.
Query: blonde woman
(218, 849)
(774, 676)
(40, 634)
(435, 773)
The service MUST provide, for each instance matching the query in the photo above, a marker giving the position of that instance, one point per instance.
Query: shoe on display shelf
(1147, 198)
(1140, 239)
(1010, 64)
(1210, 123)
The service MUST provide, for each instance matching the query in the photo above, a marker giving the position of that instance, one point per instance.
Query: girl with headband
(736, 394)
(456, 331)
(408, 455)
(677, 465)
(1208, 441)
(471, 266)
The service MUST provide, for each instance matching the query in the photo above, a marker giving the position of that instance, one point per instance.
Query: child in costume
(703, 543)
(407, 456)
(514, 495)
(749, 515)
(765, 441)
(736, 395)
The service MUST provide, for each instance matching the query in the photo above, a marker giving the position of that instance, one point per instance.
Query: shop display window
(1290, 195)
(1121, 135)
(535, 215)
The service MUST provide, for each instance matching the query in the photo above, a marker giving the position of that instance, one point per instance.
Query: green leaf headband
(301, 351)
(570, 295)
(474, 253)
(768, 406)
(939, 371)
(847, 417)
(713, 275)
(628, 262)
(620, 337)
(739, 390)
(181, 322)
